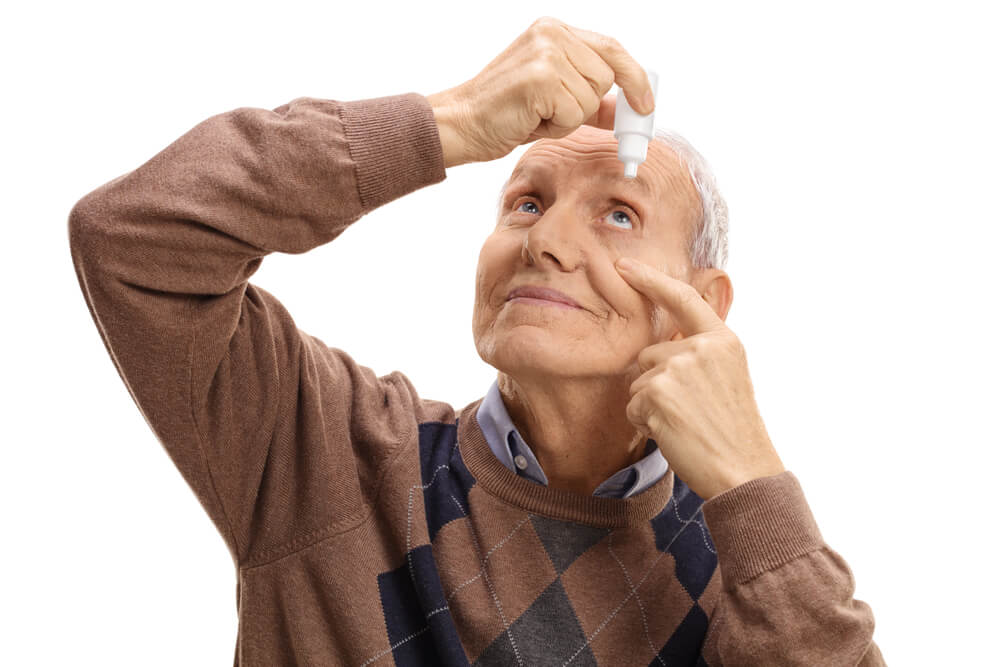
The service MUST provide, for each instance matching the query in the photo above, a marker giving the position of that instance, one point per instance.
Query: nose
(555, 238)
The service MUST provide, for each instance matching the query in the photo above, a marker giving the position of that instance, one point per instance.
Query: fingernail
(649, 101)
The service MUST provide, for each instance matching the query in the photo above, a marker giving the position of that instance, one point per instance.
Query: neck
(576, 428)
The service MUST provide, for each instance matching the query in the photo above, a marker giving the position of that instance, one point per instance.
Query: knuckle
(605, 78)
(545, 24)
(682, 362)
(551, 53)
(538, 71)
(592, 102)
(544, 48)
(700, 345)
(610, 43)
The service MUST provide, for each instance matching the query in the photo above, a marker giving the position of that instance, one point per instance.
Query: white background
(856, 144)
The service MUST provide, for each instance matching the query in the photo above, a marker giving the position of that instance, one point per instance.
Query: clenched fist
(551, 80)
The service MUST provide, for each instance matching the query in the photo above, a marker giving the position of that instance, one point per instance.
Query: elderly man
(614, 499)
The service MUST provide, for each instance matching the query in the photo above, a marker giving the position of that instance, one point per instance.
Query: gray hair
(708, 245)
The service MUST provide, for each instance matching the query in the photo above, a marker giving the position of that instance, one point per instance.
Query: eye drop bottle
(633, 130)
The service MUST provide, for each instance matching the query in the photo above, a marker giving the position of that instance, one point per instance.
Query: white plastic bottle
(633, 130)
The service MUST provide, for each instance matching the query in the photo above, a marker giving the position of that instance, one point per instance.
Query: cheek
(498, 259)
(486, 262)
(634, 310)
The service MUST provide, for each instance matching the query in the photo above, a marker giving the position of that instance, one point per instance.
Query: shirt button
(520, 462)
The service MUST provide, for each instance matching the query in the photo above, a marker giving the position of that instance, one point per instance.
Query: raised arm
(277, 434)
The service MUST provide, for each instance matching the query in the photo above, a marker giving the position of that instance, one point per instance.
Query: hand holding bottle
(551, 80)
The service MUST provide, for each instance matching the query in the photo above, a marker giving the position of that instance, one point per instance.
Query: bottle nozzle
(633, 130)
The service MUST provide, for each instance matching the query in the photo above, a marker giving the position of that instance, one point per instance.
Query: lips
(538, 292)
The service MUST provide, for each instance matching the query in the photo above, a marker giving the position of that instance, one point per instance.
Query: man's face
(567, 214)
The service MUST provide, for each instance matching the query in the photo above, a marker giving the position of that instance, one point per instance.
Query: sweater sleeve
(280, 437)
(787, 597)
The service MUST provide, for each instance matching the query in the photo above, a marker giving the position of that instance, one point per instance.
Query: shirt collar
(510, 449)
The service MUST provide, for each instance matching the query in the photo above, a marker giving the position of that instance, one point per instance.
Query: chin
(531, 350)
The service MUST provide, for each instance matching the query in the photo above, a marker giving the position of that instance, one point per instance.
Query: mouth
(537, 295)
(541, 302)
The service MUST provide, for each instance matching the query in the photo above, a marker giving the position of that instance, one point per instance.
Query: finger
(652, 355)
(635, 413)
(566, 112)
(588, 63)
(643, 380)
(639, 414)
(587, 102)
(604, 117)
(629, 74)
(690, 311)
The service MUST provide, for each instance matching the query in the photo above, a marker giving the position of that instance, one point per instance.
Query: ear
(717, 289)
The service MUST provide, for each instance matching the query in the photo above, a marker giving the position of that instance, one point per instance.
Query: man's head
(565, 215)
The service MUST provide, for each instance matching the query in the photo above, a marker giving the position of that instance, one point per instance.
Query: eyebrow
(633, 184)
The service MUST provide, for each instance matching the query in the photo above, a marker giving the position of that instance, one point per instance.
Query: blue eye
(614, 212)
(627, 219)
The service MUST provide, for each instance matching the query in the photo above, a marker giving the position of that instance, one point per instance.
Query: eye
(625, 215)
(531, 203)
(620, 215)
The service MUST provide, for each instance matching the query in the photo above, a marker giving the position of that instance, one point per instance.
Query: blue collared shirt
(511, 449)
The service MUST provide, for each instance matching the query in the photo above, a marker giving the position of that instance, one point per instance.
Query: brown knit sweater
(369, 525)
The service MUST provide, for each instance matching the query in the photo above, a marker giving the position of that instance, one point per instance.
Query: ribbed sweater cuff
(760, 525)
(395, 145)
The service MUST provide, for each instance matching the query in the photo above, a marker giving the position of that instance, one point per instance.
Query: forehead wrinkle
(526, 169)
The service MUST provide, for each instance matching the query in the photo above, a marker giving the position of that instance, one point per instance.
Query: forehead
(591, 154)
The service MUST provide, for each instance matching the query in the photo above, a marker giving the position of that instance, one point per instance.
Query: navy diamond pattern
(680, 529)
(416, 616)
(684, 646)
(445, 478)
